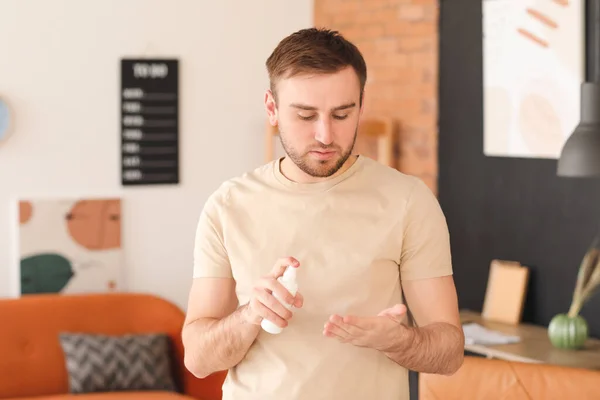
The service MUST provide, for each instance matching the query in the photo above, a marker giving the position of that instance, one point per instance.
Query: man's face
(318, 117)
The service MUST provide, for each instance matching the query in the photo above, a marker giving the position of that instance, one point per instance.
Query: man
(366, 240)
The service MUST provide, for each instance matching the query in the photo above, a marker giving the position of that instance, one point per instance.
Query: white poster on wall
(533, 66)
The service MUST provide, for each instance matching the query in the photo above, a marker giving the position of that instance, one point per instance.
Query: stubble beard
(317, 168)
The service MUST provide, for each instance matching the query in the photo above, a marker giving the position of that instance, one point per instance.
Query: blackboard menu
(149, 121)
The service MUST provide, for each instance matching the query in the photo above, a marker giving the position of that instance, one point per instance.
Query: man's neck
(291, 171)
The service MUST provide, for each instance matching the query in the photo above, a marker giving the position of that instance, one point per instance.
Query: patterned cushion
(100, 363)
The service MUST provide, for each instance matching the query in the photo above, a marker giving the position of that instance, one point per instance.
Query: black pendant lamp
(580, 156)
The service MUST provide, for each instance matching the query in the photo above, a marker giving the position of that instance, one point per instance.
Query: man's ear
(271, 107)
(362, 104)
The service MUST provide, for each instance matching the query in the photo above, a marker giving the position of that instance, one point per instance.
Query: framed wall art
(533, 66)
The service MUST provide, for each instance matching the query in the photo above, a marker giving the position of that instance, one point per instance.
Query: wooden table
(534, 346)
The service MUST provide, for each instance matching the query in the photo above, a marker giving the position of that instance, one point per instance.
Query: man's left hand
(381, 332)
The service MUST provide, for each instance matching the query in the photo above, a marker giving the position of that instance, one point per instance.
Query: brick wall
(399, 41)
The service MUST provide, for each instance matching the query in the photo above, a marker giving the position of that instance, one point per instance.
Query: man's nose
(323, 132)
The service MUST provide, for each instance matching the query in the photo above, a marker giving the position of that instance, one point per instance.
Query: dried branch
(588, 278)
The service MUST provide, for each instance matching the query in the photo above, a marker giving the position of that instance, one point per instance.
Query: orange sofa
(32, 362)
(482, 378)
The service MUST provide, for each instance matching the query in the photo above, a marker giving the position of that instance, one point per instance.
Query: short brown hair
(315, 50)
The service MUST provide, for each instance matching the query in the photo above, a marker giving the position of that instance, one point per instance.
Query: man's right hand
(263, 305)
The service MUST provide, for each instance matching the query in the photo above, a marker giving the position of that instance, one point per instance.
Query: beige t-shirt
(356, 236)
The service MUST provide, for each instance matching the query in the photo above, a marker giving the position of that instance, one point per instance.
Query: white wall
(59, 70)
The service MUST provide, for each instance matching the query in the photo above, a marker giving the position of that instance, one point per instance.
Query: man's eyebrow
(312, 108)
(344, 106)
(303, 107)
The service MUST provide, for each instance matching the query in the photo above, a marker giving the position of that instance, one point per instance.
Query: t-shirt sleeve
(210, 255)
(426, 240)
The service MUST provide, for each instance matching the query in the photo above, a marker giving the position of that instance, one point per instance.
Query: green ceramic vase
(568, 332)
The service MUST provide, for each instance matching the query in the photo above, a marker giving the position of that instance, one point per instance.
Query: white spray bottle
(288, 280)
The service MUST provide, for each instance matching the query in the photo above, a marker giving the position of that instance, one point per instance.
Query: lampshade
(580, 156)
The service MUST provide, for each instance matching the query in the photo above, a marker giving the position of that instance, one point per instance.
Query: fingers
(269, 301)
(270, 282)
(333, 331)
(298, 300)
(273, 286)
(265, 312)
(281, 265)
(333, 328)
(345, 333)
(337, 322)
(362, 323)
(375, 332)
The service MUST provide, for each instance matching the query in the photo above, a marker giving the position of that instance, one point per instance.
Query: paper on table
(477, 334)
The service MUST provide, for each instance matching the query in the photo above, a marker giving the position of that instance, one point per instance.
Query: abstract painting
(70, 245)
(533, 66)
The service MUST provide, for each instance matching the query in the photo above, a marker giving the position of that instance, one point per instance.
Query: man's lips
(323, 154)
